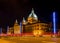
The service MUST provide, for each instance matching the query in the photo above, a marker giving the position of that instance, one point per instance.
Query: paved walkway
(28, 40)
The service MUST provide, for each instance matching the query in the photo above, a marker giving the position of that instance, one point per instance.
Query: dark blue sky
(12, 9)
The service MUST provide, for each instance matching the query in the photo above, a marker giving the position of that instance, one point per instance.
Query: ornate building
(31, 25)
(15, 29)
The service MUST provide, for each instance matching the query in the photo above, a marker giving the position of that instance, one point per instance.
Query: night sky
(10, 10)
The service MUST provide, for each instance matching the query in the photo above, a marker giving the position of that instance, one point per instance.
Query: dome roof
(32, 14)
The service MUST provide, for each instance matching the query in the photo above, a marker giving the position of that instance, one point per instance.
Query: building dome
(32, 14)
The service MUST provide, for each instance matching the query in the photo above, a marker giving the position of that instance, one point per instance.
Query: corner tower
(16, 27)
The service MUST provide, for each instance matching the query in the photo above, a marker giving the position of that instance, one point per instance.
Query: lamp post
(20, 27)
(54, 24)
(0, 30)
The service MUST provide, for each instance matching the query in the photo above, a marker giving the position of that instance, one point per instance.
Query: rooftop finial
(32, 10)
(16, 21)
(24, 19)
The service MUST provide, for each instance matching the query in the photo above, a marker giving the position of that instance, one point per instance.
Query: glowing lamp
(54, 24)
(37, 32)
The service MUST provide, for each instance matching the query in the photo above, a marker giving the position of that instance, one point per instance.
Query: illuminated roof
(32, 14)
(16, 21)
(24, 19)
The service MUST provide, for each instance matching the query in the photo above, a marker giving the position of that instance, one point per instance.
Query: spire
(16, 21)
(24, 21)
(32, 10)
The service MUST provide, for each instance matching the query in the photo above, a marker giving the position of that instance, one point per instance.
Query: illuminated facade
(15, 29)
(31, 25)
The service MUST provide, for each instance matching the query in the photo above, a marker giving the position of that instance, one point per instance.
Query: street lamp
(54, 23)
